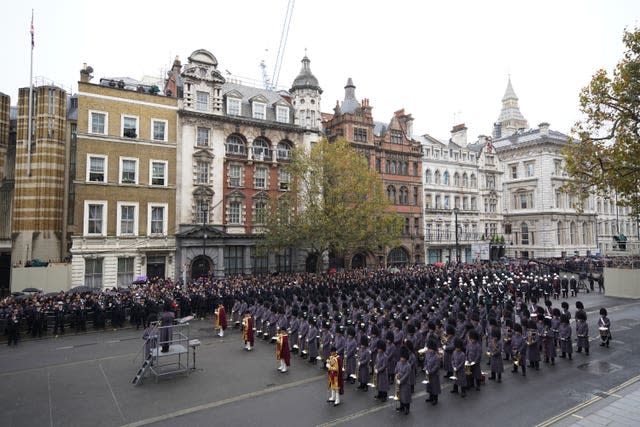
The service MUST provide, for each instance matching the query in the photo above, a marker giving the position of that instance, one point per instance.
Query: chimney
(85, 73)
(497, 130)
(544, 128)
(459, 135)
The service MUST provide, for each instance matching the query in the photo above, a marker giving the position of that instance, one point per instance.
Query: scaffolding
(166, 351)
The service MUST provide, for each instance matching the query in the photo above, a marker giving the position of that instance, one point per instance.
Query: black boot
(499, 378)
(477, 385)
(406, 408)
(454, 389)
(570, 357)
(464, 392)
(586, 351)
(524, 371)
(430, 398)
(434, 402)
(493, 376)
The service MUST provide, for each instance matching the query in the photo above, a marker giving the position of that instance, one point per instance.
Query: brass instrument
(516, 360)
(426, 377)
(357, 368)
(396, 395)
(375, 378)
(454, 377)
(305, 347)
(422, 354)
(319, 356)
(468, 366)
(531, 338)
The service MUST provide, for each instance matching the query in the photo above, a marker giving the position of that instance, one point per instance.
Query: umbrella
(80, 289)
(15, 294)
(438, 264)
(52, 294)
(31, 290)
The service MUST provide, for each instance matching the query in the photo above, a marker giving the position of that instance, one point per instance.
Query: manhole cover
(599, 367)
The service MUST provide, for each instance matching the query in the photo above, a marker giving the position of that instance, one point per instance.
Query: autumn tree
(336, 204)
(603, 156)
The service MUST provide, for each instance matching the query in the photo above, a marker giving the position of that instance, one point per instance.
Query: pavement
(85, 380)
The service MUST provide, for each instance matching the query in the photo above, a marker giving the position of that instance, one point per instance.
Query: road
(85, 380)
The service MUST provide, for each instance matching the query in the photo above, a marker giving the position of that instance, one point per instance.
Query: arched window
(559, 233)
(261, 149)
(572, 234)
(474, 181)
(393, 167)
(585, 238)
(436, 177)
(391, 194)
(405, 168)
(524, 229)
(284, 150)
(427, 176)
(445, 178)
(398, 256)
(465, 180)
(404, 196)
(236, 146)
(456, 179)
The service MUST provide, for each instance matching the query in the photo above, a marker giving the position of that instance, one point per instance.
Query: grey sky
(435, 59)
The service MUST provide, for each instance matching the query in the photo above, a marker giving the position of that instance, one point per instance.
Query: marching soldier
(582, 332)
(457, 363)
(474, 356)
(221, 320)
(533, 348)
(364, 358)
(283, 353)
(247, 330)
(403, 374)
(336, 383)
(548, 342)
(604, 325)
(564, 337)
(495, 355)
(432, 370)
(519, 350)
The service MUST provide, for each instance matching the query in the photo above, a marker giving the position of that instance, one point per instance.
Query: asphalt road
(85, 380)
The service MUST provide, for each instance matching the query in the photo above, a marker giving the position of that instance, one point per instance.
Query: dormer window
(282, 114)
(202, 101)
(233, 106)
(259, 110)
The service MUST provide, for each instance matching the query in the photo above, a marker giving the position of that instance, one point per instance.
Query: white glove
(375, 370)
(327, 365)
(398, 382)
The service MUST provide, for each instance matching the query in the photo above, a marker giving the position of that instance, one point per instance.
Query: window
(436, 177)
(465, 203)
(259, 110)
(524, 229)
(456, 202)
(558, 199)
(489, 160)
(260, 177)
(202, 172)
(404, 196)
(259, 212)
(456, 179)
(446, 202)
(474, 204)
(127, 219)
(465, 180)
(284, 150)
(282, 114)
(158, 130)
(427, 176)
(93, 273)
(359, 135)
(261, 149)
(392, 167)
(415, 195)
(125, 272)
(235, 175)
(559, 233)
(95, 219)
(378, 164)
(233, 106)
(396, 137)
(474, 181)
(427, 200)
(128, 171)
(233, 260)
(129, 126)
(202, 210)
(391, 194)
(405, 229)
(259, 261)
(405, 168)
(202, 137)
(529, 168)
(416, 226)
(445, 178)
(202, 100)
(398, 256)
(96, 168)
(573, 235)
(284, 180)
(234, 213)
(438, 202)
(236, 146)
(557, 167)
(514, 171)
(523, 200)
(415, 169)
(491, 181)
(158, 219)
(158, 172)
(98, 122)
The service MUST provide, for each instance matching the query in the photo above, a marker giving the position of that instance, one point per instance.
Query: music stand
(194, 344)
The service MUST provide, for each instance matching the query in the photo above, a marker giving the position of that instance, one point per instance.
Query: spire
(350, 102)
(510, 119)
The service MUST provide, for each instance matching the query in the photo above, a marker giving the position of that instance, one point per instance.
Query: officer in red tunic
(336, 382)
(283, 353)
(221, 320)
(247, 330)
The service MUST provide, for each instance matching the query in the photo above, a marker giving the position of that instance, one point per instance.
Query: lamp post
(204, 208)
(455, 213)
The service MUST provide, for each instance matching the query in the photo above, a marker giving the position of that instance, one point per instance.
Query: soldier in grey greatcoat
(364, 358)
(402, 378)
(350, 349)
(457, 363)
(380, 371)
(582, 332)
(495, 355)
(432, 369)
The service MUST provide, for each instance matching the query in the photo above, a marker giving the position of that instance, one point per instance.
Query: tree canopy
(603, 156)
(336, 204)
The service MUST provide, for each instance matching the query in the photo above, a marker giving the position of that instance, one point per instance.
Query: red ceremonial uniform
(221, 320)
(247, 329)
(336, 382)
(282, 349)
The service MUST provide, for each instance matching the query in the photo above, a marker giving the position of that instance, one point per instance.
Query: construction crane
(272, 83)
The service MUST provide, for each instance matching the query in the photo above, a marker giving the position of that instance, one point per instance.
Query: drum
(604, 331)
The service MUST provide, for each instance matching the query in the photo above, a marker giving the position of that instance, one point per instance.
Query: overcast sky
(445, 62)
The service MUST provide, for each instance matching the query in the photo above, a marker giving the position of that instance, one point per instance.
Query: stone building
(397, 157)
(122, 202)
(7, 162)
(234, 139)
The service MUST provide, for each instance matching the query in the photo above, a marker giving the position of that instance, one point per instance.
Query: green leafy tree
(603, 156)
(336, 204)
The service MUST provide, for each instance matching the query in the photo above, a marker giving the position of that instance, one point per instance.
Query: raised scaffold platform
(174, 339)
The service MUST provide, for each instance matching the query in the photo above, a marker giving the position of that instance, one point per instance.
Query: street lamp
(204, 208)
(455, 213)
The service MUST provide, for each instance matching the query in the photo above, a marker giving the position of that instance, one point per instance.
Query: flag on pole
(32, 33)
